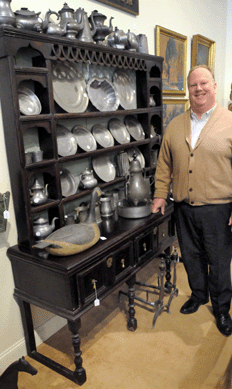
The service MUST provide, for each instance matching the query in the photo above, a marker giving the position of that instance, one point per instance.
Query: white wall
(188, 17)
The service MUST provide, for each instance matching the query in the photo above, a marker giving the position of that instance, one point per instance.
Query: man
(195, 159)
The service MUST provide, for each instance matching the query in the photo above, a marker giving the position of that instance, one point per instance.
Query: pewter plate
(66, 141)
(84, 138)
(139, 155)
(125, 85)
(69, 87)
(134, 127)
(119, 131)
(102, 136)
(68, 183)
(104, 168)
(102, 94)
(29, 103)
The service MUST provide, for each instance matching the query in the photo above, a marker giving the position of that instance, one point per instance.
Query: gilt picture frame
(172, 46)
(203, 51)
(131, 6)
(173, 108)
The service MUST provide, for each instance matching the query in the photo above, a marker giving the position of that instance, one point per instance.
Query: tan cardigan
(202, 175)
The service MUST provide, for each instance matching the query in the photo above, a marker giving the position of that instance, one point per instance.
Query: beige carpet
(181, 352)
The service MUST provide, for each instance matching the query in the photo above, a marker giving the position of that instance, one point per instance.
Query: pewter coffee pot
(39, 193)
(137, 190)
(96, 20)
(53, 28)
(68, 19)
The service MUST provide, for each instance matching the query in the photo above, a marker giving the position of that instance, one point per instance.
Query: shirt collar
(205, 115)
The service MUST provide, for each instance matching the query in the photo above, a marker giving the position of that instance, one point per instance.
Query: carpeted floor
(181, 352)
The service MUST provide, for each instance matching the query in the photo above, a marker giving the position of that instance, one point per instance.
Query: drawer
(144, 246)
(119, 263)
(164, 230)
(87, 281)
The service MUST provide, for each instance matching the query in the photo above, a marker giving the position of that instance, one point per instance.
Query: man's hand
(230, 221)
(159, 204)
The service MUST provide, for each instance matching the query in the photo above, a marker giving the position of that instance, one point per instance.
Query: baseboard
(42, 333)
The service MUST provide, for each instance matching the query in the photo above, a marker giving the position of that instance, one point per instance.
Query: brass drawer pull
(109, 262)
(123, 262)
(144, 246)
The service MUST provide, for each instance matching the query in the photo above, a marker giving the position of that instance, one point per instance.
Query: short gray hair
(201, 66)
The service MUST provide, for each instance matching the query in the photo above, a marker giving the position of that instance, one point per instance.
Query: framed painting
(173, 48)
(173, 108)
(131, 6)
(203, 51)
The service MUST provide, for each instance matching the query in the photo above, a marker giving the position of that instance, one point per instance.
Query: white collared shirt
(198, 124)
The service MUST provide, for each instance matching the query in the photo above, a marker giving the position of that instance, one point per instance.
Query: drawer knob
(123, 262)
(144, 246)
(94, 284)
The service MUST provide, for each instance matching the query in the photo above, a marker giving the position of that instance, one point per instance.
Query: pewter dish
(134, 127)
(29, 103)
(125, 85)
(102, 136)
(104, 168)
(119, 131)
(102, 94)
(68, 183)
(69, 87)
(66, 141)
(84, 138)
(139, 155)
(131, 212)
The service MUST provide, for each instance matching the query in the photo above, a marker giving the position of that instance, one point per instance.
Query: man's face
(202, 90)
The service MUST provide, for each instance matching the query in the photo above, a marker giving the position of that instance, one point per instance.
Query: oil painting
(173, 48)
(131, 6)
(203, 51)
(173, 108)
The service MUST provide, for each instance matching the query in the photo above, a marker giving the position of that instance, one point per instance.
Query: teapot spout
(53, 222)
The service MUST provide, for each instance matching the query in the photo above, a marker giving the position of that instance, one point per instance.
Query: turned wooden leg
(79, 373)
(132, 322)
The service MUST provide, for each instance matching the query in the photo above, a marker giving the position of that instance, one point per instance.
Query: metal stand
(164, 288)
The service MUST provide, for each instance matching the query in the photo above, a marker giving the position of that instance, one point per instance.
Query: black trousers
(205, 241)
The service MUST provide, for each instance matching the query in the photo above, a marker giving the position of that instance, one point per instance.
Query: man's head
(202, 88)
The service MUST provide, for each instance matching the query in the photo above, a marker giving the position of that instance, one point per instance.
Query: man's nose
(198, 86)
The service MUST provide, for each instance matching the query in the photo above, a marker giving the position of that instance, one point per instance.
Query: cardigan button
(190, 171)
(191, 155)
(190, 189)
(192, 202)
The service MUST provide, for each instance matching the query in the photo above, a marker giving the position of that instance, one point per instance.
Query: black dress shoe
(224, 323)
(190, 306)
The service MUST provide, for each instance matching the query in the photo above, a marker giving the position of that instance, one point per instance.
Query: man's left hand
(230, 221)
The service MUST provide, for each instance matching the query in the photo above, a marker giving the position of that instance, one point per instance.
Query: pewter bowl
(102, 94)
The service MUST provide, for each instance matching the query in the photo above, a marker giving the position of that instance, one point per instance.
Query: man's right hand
(158, 204)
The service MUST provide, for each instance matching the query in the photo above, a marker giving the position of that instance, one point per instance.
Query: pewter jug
(7, 16)
(106, 206)
(96, 20)
(137, 190)
(39, 193)
(86, 34)
(132, 42)
(28, 20)
(42, 228)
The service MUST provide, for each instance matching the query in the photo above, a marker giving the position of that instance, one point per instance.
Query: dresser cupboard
(66, 286)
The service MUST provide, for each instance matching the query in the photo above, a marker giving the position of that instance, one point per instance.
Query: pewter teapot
(28, 20)
(117, 39)
(39, 193)
(42, 228)
(53, 28)
(87, 180)
(137, 189)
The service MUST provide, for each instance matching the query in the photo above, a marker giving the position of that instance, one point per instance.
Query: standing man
(196, 159)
